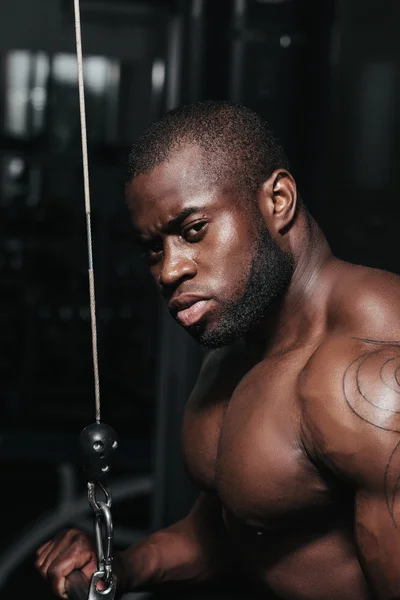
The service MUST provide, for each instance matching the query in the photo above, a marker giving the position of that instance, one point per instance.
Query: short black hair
(238, 145)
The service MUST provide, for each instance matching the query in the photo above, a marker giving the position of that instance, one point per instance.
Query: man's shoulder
(363, 314)
(350, 395)
(365, 303)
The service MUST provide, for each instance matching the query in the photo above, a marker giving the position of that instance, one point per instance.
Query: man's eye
(195, 231)
(152, 249)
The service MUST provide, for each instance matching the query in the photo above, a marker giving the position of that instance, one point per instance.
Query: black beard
(270, 274)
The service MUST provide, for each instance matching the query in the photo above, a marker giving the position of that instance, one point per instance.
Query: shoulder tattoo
(371, 387)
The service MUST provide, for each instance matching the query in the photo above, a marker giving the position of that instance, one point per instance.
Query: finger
(50, 555)
(42, 556)
(43, 547)
(88, 571)
(63, 565)
(54, 548)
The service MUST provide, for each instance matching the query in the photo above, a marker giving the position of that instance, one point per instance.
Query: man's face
(208, 251)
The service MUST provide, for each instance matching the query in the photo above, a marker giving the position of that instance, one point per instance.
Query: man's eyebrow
(173, 224)
(177, 221)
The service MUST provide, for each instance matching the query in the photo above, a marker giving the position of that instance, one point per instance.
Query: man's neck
(301, 308)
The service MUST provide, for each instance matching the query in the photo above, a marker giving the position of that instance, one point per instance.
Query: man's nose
(176, 266)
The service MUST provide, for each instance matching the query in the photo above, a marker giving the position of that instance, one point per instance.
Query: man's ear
(277, 200)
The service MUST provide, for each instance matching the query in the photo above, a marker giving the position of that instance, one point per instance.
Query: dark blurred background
(326, 76)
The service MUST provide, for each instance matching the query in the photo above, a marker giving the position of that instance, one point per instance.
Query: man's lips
(188, 309)
(190, 316)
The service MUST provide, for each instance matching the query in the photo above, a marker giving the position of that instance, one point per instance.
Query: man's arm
(193, 550)
(355, 420)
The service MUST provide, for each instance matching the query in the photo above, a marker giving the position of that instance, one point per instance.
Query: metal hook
(77, 588)
(108, 593)
(94, 503)
(104, 540)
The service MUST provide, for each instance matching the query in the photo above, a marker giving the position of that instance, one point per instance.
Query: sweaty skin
(293, 431)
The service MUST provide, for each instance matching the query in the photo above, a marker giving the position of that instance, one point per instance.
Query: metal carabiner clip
(108, 593)
(104, 547)
(92, 495)
(104, 540)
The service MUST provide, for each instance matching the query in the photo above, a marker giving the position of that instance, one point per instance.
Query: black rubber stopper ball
(98, 443)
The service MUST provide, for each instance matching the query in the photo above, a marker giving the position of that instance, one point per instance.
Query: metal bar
(77, 586)
(237, 51)
(174, 62)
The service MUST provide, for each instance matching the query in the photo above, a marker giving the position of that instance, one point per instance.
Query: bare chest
(246, 446)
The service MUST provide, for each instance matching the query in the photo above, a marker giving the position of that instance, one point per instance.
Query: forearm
(193, 550)
(162, 558)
